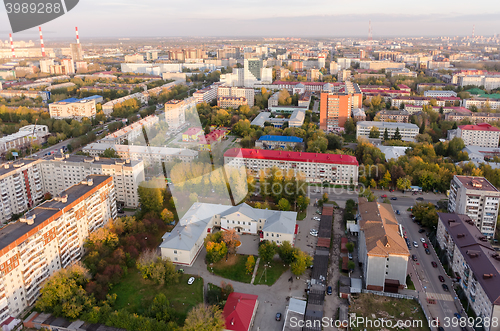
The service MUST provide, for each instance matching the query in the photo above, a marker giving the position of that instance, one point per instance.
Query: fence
(391, 295)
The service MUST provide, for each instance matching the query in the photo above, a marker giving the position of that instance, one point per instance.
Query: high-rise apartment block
(48, 238)
(175, 111)
(73, 108)
(477, 198)
(238, 92)
(335, 109)
(483, 134)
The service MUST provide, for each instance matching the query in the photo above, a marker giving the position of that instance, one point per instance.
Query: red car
(384, 196)
(425, 245)
(441, 278)
(434, 264)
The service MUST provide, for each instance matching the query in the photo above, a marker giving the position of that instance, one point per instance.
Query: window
(175, 252)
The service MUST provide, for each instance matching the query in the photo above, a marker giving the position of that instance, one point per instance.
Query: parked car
(427, 251)
(434, 264)
(383, 196)
(191, 281)
(329, 290)
(391, 190)
(426, 246)
(422, 240)
(414, 257)
(415, 244)
(420, 199)
(445, 287)
(397, 212)
(313, 233)
(441, 278)
(421, 230)
(394, 198)
(278, 317)
(457, 315)
(350, 256)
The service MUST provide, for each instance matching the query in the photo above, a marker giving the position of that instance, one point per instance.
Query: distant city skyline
(316, 18)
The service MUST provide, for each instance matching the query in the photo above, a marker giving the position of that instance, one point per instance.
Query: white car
(422, 240)
(190, 280)
(313, 233)
(316, 218)
(415, 244)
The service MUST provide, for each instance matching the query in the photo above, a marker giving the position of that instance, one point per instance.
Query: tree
(386, 135)
(386, 181)
(334, 141)
(204, 318)
(267, 249)
(250, 264)
(215, 251)
(403, 183)
(232, 240)
(284, 205)
(350, 247)
(397, 135)
(150, 197)
(374, 132)
(303, 202)
(350, 265)
(349, 126)
(226, 289)
(286, 252)
(373, 183)
(325, 197)
(153, 267)
(52, 140)
(302, 261)
(167, 216)
(110, 153)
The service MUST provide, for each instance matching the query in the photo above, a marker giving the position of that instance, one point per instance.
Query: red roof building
(240, 310)
(479, 127)
(291, 156)
(483, 134)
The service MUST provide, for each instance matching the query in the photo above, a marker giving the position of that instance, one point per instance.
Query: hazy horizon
(245, 19)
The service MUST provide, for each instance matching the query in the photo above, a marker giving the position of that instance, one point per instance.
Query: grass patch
(409, 283)
(301, 215)
(135, 294)
(274, 271)
(233, 268)
(364, 305)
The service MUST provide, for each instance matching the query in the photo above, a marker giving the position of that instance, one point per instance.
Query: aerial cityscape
(167, 168)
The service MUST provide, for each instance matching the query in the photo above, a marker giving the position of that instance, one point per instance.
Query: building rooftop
(381, 229)
(238, 311)
(388, 125)
(82, 100)
(290, 139)
(133, 149)
(291, 156)
(480, 127)
(192, 131)
(15, 165)
(479, 255)
(14, 233)
(476, 183)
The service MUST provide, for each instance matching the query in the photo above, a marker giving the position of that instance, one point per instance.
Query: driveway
(249, 244)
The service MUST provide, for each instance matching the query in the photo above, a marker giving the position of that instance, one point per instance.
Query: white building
(175, 111)
(237, 92)
(477, 198)
(475, 262)
(489, 82)
(131, 132)
(48, 238)
(24, 137)
(439, 94)
(382, 251)
(483, 134)
(207, 95)
(482, 103)
(408, 131)
(73, 109)
(183, 244)
(45, 65)
(316, 167)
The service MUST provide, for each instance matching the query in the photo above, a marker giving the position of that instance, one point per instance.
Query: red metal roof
(479, 127)
(238, 311)
(192, 131)
(291, 156)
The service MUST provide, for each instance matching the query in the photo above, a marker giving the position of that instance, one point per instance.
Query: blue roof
(76, 99)
(287, 139)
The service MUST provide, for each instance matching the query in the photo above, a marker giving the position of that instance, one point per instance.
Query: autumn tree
(204, 318)
(226, 289)
(302, 261)
(167, 216)
(232, 240)
(403, 183)
(215, 251)
(286, 252)
(267, 249)
(250, 264)
(150, 197)
(283, 204)
(153, 267)
(374, 132)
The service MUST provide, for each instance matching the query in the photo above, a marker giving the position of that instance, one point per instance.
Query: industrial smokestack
(12, 46)
(41, 41)
(77, 36)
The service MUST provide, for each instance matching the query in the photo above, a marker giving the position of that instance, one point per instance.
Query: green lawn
(409, 283)
(274, 271)
(135, 294)
(233, 268)
(301, 215)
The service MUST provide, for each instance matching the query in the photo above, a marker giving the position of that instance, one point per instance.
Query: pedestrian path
(255, 270)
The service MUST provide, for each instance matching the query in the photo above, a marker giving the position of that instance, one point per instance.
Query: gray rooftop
(388, 125)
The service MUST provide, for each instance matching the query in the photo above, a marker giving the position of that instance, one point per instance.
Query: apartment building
(477, 198)
(489, 82)
(21, 187)
(399, 116)
(73, 108)
(473, 117)
(237, 92)
(183, 244)
(316, 167)
(274, 142)
(175, 111)
(439, 94)
(482, 103)
(134, 58)
(8, 94)
(313, 75)
(60, 172)
(131, 132)
(475, 262)
(69, 65)
(483, 134)
(48, 238)
(408, 131)
(421, 101)
(379, 65)
(24, 137)
(207, 95)
(359, 114)
(231, 102)
(382, 251)
(335, 109)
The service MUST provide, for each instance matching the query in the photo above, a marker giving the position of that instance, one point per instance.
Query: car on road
(414, 257)
(422, 240)
(427, 251)
(397, 212)
(441, 278)
(445, 287)
(434, 264)
(426, 246)
(313, 233)
(350, 256)
(457, 315)
(391, 190)
(420, 199)
(316, 218)
(421, 230)
(191, 281)
(415, 244)
(329, 290)
(383, 196)
(278, 317)
(394, 198)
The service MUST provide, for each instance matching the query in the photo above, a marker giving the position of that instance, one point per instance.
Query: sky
(267, 18)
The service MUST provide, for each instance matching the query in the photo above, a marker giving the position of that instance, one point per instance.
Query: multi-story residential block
(175, 111)
(399, 116)
(131, 132)
(238, 92)
(45, 65)
(24, 137)
(420, 101)
(473, 117)
(274, 142)
(439, 94)
(231, 102)
(483, 134)
(48, 238)
(382, 251)
(408, 131)
(313, 75)
(8, 94)
(413, 109)
(489, 82)
(273, 100)
(335, 109)
(207, 95)
(379, 65)
(60, 172)
(482, 103)
(475, 262)
(183, 244)
(69, 65)
(73, 108)
(134, 58)
(477, 198)
(359, 114)
(316, 167)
